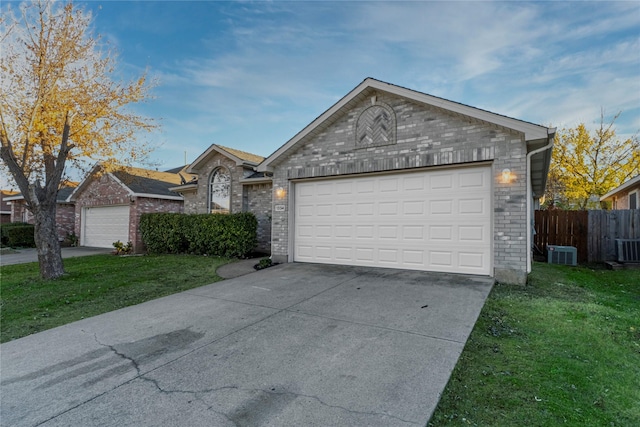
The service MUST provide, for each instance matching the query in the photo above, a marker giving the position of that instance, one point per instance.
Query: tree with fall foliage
(60, 103)
(587, 165)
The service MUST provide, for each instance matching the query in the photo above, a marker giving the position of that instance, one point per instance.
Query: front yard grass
(564, 350)
(93, 285)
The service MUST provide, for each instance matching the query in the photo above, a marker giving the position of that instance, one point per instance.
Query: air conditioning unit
(565, 255)
(628, 250)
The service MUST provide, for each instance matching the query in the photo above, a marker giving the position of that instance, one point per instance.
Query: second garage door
(104, 225)
(438, 220)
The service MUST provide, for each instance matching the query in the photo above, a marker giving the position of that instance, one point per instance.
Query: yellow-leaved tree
(60, 103)
(587, 165)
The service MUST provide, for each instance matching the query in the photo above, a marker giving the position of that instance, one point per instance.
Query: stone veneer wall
(426, 136)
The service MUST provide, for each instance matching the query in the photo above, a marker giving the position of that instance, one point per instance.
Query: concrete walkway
(292, 345)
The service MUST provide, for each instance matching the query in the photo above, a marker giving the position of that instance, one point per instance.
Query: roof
(147, 182)
(138, 182)
(238, 156)
(65, 190)
(536, 136)
(622, 187)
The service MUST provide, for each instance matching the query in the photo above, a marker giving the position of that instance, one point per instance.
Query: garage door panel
(104, 225)
(434, 221)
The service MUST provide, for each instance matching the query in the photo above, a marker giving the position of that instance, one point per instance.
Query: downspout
(530, 195)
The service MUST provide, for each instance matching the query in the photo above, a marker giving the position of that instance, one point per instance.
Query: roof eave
(261, 180)
(531, 131)
(622, 187)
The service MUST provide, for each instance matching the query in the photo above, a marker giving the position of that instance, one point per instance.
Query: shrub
(233, 235)
(18, 235)
(122, 248)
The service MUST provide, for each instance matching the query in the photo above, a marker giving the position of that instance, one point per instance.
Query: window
(633, 200)
(220, 191)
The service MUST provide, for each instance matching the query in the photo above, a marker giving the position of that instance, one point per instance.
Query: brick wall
(255, 198)
(258, 201)
(198, 202)
(425, 136)
(65, 216)
(103, 190)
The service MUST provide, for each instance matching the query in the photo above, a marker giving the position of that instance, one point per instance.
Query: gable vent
(628, 250)
(565, 255)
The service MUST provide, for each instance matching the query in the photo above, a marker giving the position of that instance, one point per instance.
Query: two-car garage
(432, 220)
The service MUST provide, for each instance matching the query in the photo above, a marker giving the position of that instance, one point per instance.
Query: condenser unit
(565, 255)
(628, 250)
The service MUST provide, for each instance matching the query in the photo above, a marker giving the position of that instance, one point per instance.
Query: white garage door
(104, 225)
(436, 220)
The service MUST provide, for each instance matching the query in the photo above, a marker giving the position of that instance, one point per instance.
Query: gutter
(551, 135)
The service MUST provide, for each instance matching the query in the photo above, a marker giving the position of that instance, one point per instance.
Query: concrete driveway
(293, 345)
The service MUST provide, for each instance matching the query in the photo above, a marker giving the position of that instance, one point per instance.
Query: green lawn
(93, 285)
(564, 350)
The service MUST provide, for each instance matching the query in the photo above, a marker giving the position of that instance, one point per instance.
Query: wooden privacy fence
(593, 233)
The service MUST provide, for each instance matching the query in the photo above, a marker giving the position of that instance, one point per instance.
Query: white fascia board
(531, 131)
(84, 182)
(126, 187)
(248, 181)
(185, 187)
(11, 198)
(622, 187)
(214, 148)
(157, 196)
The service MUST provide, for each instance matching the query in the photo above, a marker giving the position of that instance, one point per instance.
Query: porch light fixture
(280, 193)
(507, 176)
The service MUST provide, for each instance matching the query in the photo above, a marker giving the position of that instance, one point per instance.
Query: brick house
(65, 210)
(625, 196)
(227, 182)
(5, 206)
(108, 205)
(396, 178)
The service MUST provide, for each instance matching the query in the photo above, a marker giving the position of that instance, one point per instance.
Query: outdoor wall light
(280, 193)
(507, 176)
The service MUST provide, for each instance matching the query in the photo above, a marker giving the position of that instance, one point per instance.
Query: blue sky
(250, 75)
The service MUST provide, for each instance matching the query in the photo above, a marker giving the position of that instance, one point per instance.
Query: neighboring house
(626, 196)
(227, 182)
(392, 177)
(65, 211)
(108, 205)
(5, 207)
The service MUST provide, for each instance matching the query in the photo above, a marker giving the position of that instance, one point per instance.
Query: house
(625, 196)
(108, 205)
(65, 211)
(5, 207)
(227, 182)
(392, 177)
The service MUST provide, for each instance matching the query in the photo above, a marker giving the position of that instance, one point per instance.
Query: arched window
(220, 191)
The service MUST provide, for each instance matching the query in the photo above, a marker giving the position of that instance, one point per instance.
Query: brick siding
(65, 216)
(103, 190)
(426, 136)
(255, 198)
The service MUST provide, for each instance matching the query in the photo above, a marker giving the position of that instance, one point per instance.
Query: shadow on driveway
(292, 345)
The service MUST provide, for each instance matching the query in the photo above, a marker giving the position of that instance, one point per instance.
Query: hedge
(232, 235)
(17, 235)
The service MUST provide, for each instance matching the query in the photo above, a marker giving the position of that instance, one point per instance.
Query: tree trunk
(47, 243)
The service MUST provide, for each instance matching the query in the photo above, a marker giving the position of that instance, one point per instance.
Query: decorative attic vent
(565, 255)
(628, 250)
